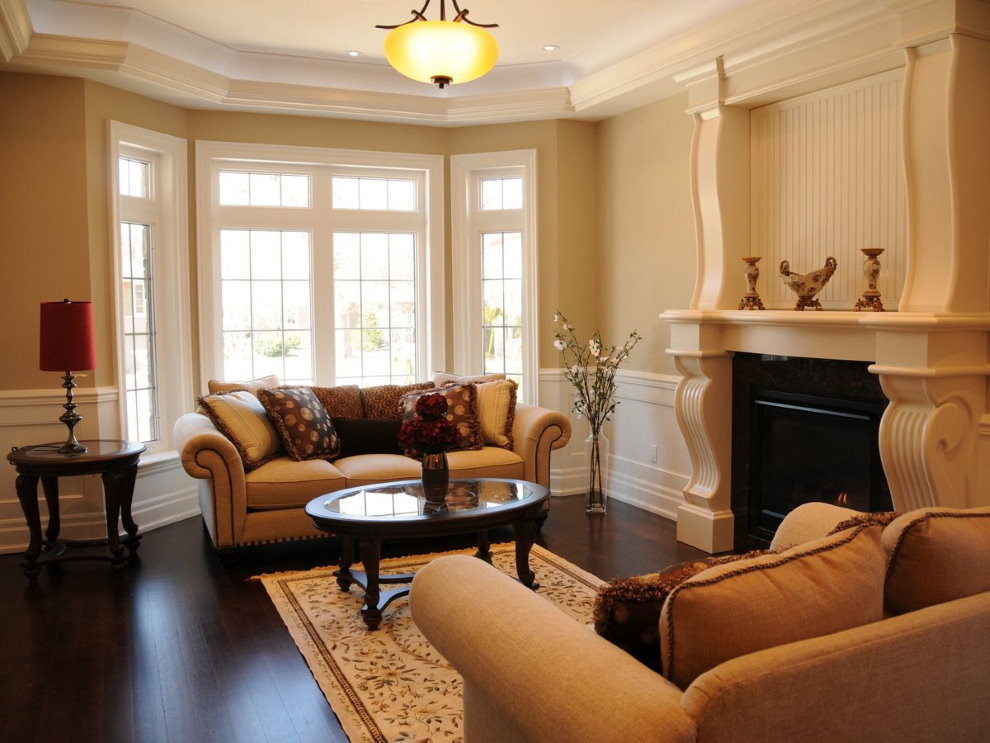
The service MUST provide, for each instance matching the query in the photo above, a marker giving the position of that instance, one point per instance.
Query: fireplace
(803, 430)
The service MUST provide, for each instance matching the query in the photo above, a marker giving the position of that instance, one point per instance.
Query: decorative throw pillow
(216, 387)
(815, 589)
(384, 401)
(367, 436)
(496, 411)
(461, 410)
(343, 401)
(627, 610)
(306, 429)
(936, 555)
(240, 416)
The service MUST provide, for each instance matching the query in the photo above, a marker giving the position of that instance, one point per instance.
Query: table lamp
(67, 344)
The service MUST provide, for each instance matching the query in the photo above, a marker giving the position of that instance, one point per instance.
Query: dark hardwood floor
(183, 648)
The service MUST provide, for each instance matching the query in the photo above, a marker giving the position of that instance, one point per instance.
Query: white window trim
(431, 294)
(467, 222)
(173, 335)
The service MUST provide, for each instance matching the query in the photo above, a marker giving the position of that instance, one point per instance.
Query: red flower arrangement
(428, 431)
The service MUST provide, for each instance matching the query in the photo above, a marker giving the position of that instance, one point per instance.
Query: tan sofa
(266, 504)
(531, 673)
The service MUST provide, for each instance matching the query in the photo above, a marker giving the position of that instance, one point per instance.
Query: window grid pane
(503, 301)
(137, 291)
(285, 190)
(501, 193)
(134, 177)
(266, 304)
(374, 307)
(377, 194)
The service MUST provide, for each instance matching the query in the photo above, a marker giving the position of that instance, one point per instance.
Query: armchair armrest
(531, 673)
(536, 432)
(207, 454)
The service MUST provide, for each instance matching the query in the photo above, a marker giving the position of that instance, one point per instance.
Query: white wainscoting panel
(644, 418)
(827, 180)
(163, 492)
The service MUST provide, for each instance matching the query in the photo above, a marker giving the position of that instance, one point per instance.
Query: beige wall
(612, 198)
(43, 214)
(648, 231)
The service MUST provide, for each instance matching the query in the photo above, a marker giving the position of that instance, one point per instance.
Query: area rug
(391, 685)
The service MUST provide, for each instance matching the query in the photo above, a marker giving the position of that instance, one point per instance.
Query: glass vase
(435, 476)
(596, 450)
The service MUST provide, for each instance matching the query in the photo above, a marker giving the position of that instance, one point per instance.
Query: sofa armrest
(532, 673)
(207, 454)
(536, 432)
(809, 521)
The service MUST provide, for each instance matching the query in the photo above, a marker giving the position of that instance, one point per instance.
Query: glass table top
(406, 499)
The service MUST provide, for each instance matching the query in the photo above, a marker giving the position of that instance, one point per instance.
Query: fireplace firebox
(803, 430)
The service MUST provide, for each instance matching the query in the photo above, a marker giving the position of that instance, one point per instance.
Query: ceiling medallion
(441, 52)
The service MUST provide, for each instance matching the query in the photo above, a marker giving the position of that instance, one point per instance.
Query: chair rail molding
(163, 493)
(648, 461)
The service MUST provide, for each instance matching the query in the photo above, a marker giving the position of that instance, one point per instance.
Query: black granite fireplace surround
(802, 430)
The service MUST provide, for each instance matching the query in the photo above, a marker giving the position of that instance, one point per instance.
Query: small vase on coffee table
(435, 476)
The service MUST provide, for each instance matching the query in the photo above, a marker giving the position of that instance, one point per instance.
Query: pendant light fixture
(441, 52)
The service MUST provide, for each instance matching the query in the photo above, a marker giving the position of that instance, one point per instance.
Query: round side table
(115, 461)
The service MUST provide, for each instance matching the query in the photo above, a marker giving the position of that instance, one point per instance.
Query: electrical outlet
(653, 453)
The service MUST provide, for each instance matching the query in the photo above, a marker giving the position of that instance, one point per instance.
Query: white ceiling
(291, 55)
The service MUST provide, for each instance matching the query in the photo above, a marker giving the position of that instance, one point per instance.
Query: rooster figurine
(808, 285)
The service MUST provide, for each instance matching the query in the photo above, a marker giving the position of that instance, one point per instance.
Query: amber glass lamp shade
(441, 52)
(67, 344)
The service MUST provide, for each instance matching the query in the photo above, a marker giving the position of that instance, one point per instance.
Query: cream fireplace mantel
(931, 354)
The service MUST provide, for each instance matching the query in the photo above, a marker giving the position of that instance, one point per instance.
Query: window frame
(165, 213)
(468, 223)
(213, 156)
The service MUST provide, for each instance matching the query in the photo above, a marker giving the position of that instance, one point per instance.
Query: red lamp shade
(67, 342)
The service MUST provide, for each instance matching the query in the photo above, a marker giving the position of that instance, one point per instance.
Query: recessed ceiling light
(353, 53)
(550, 47)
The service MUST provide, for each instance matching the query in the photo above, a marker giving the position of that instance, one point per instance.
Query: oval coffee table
(367, 514)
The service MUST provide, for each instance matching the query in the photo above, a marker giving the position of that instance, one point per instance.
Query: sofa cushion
(217, 387)
(627, 610)
(496, 411)
(462, 411)
(367, 469)
(489, 461)
(385, 400)
(286, 483)
(343, 401)
(936, 555)
(303, 423)
(817, 588)
(241, 417)
(367, 436)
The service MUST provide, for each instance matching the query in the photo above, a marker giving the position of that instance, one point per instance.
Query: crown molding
(15, 28)
(768, 49)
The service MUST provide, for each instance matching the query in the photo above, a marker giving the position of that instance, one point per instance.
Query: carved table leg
(344, 577)
(133, 539)
(370, 548)
(484, 547)
(50, 486)
(113, 483)
(525, 532)
(27, 494)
